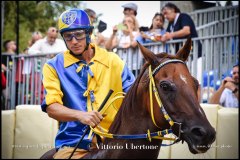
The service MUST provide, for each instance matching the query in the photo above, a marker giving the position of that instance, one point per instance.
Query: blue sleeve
(127, 79)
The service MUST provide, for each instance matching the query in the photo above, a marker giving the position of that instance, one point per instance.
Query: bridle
(158, 134)
(153, 88)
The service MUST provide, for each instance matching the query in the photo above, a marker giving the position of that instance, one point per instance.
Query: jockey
(76, 83)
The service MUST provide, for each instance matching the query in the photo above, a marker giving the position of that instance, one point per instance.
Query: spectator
(227, 94)
(76, 82)
(126, 38)
(3, 86)
(127, 34)
(35, 36)
(26, 73)
(155, 32)
(6, 59)
(96, 38)
(180, 25)
(27, 63)
(10, 49)
(7, 64)
(49, 44)
(130, 9)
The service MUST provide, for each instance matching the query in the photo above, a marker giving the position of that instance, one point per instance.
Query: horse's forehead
(175, 71)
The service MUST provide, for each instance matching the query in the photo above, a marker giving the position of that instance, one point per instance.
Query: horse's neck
(135, 119)
(132, 118)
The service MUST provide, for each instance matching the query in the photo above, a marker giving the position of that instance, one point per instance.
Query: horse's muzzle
(199, 139)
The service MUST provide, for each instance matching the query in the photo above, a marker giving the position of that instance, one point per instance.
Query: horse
(175, 107)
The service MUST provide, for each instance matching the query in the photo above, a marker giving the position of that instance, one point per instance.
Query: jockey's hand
(92, 118)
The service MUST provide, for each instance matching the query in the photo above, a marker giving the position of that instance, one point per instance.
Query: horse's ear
(148, 55)
(184, 52)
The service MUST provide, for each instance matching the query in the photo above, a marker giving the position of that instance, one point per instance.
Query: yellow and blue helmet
(75, 19)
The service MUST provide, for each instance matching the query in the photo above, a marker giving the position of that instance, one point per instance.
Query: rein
(158, 134)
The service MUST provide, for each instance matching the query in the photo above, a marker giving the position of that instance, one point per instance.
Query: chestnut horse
(163, 97)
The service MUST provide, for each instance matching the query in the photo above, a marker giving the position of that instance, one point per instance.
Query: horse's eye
(166, 86)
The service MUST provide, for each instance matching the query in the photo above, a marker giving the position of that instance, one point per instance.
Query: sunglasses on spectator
(78, 35)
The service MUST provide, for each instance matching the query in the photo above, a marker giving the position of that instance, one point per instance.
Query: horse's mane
(126, 106)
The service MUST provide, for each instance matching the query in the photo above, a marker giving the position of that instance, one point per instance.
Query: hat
(131, 6)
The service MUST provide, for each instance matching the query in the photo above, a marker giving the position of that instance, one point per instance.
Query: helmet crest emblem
(69, 17)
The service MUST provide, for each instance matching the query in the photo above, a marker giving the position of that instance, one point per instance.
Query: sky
(113, 12)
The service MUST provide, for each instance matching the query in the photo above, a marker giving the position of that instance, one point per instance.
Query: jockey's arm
(63, 114)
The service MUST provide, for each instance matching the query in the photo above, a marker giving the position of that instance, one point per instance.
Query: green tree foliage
(33, 16)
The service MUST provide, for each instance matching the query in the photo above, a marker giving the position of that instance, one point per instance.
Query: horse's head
(177, 90)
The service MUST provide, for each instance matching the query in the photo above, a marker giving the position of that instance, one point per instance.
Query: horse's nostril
(198, 132)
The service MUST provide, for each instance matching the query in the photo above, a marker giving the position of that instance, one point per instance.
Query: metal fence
(24, 84)
(219, 54)
(216, 20)
(209, 15)
(218, 39)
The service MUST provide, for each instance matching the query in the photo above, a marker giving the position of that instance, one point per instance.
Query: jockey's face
(75, 40)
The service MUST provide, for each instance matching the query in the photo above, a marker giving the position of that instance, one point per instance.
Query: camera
(144, 29)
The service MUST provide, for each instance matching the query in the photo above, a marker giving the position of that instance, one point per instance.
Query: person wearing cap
(76, 83)
(96, 37)
(227, 94)
(130, 9)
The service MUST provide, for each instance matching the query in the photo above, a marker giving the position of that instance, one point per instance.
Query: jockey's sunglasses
(78, 35)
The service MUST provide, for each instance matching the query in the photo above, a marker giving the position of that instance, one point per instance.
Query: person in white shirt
(228, 93)
(125, 38)
(49, 44)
